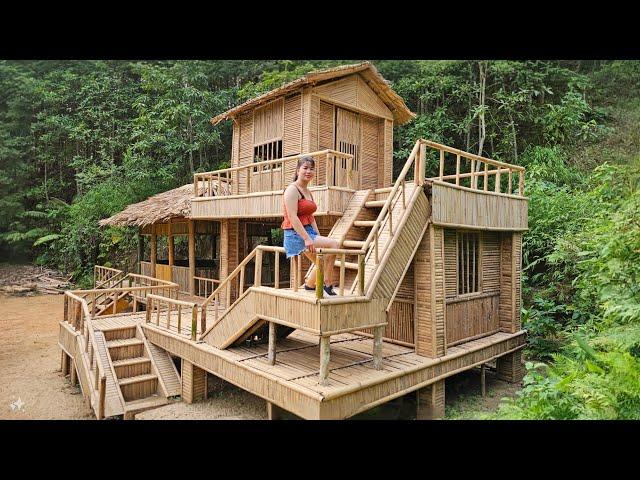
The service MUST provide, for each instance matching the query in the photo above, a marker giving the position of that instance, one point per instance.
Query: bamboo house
(429, 268)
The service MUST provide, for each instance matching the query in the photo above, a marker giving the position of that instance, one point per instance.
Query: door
(347, 173)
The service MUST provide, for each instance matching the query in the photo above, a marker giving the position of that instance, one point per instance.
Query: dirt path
(32, 385)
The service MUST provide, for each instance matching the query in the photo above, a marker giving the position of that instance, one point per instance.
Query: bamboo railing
(338, 171)
(474, 167)
(155, 304)
(104, 277)
(205, 286)
(76, 313)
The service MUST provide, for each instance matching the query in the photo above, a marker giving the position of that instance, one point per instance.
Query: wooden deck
(293, 382)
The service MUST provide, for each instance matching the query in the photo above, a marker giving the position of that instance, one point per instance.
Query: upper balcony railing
(333, 169)
(465, 169)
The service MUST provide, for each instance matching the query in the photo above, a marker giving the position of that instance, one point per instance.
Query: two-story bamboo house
(429, 268)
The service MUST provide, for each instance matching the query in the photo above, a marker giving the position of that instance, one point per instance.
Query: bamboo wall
(456, 206)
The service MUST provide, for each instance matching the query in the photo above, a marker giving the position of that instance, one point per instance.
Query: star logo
(17, 405)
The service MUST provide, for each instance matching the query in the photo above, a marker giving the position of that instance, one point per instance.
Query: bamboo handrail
(99, 381)
(259, 167)
(155, 302)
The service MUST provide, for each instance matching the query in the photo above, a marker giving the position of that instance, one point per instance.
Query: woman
(300, 227)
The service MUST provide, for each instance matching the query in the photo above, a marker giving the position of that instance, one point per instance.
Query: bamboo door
(347, 173)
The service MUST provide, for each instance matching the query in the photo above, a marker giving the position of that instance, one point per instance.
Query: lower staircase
(139, 375)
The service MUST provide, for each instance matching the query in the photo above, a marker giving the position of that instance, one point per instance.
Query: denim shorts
(294, 243)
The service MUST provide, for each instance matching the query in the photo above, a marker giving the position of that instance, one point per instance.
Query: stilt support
(510, 367)
(430, 402)
(194, 382)
(65, 364)
(274, 412)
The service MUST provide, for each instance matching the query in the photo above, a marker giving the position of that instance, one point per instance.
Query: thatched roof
(395, 103)
(159, 208)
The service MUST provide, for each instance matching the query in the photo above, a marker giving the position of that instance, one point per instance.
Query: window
(468, 262)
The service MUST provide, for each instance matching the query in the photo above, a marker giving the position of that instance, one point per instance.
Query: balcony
(256, 190)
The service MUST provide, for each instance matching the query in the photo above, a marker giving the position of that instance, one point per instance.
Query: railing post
(458, 169)
(521, 183)
(342, 266)
(203, 319)
(486, 176)
(510, 187)
(276, 280)
(474, 179)
(103, 394)
(421, 172)
(149, 308)
(257, 280)
(294, 271)
(361, 274)
(194, 322)
(66, 309)
(497, 186)
(441, 165)
(319, 276)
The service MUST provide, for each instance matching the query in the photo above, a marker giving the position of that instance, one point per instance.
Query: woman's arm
(291, 204)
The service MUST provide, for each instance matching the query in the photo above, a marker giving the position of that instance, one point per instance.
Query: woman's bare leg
(329, 261)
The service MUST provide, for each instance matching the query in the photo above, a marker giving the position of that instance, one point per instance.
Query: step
(137, 379)
(124, 342)
(132, 367)
(383, 190)
(124, 348)
(364, 223)
(352, 244)
(348, 265)
(375, 203)
(146, 403)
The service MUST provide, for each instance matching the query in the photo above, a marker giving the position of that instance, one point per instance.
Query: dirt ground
(32, 385)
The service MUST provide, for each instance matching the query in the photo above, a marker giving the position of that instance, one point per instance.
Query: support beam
(194, 382)
(74, 374)
(377, 347)
(192, 257)
(272, 344)
(325, 351)
(140, 250)
(274, 412)
(65, 364)
(509, 367)
(171, 249)
(430, 402)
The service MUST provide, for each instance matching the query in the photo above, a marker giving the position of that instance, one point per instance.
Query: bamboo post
(276, 282)
(154, 251)
(377, 347)
(171, 248)
(272, 344)
(294, 271)
(376, 247)
(497, 186)
(458, 169)
(115, 302)
(203, 319)
(510, 187)
(319, 276)
(482, 380)
(486, 176)
(342, 265)
(93, 304)
(66, 309)
(521, 183)
(257, 281)
(325, 353)
(441, 164)
(103, 394)
(192, 256)
(299, 267)
(361, 274)
(194, 322)
(474, 178)
(423, 163)
(390, 220)
(241, 281)
(404, 201)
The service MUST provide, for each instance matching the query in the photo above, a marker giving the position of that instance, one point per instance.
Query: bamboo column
(377, 347)
(154, 251)
(192, 257)
(272, 344)
(430, 402)
(140, 252)
(171, 247)
(325, 352)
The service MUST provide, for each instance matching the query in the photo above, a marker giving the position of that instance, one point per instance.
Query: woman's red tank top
(306, 209)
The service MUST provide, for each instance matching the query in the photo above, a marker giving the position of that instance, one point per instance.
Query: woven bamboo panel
(245, 155)
(401, 325)
(343, 91)
(490, 262)
(368, 101)
(268, 122)
(235, 145)
(326, 136)
(67, 338)
(145, 269)
(349, 316)
(306, 119)
(471, 318)
(292, 135)
(517, 256)
(180, 275)
(506, 284)
(387, 180)
(459, 207)
(369, 153)
(313, 132)
(450, 263)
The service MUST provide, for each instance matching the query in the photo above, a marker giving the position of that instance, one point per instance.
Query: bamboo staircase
(387, 243)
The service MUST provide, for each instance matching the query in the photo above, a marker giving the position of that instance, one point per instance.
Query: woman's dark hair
(302, 161)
